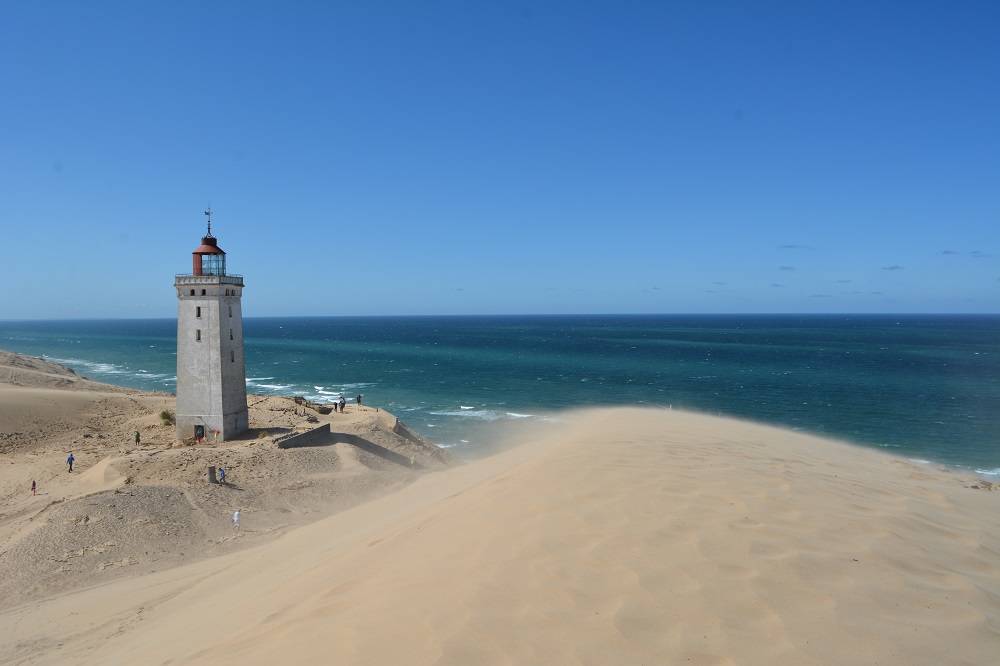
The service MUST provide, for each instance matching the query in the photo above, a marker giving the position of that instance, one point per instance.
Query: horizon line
(515, 314)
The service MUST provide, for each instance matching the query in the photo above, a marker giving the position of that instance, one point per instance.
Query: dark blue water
(926, 387)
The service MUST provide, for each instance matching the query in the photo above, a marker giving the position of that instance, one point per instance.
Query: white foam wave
(465, 407)
(322, 399)
(989, 472)
(481, 414)
(91, 366)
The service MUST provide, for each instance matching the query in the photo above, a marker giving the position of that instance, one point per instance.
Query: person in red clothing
(34, 487)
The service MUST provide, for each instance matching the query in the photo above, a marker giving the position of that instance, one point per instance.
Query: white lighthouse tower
(211, 375)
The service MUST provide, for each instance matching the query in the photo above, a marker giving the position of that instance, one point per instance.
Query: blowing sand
(618, 536)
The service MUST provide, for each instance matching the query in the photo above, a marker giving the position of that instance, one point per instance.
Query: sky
(502, 157)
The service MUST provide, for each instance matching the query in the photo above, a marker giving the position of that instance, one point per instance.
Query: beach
(614, 535)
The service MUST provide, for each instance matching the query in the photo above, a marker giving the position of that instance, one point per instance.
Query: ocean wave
(481, 414)
(275, 387)
(111, 370)
(321, 399)
(465, 407)
(989, 472)
(258, 379)
(91, 366)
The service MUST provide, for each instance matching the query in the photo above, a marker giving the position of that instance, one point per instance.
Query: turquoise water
(926, 387)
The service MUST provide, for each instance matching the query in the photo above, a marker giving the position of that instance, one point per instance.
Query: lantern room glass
(213, 264)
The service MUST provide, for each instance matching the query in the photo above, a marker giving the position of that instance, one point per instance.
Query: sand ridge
(616, 536)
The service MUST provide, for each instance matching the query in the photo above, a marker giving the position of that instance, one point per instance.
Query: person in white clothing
(236, 520)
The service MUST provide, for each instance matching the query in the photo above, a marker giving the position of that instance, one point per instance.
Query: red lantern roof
(209, 245)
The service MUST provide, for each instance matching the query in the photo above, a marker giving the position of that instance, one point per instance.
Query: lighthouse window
(230, 334)
(230, 310)
(197, 312)
(213, 264)
(197, 335)
(192, 292)
(202, 292)
(232, 356)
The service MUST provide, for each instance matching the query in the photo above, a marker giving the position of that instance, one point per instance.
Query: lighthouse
(211, 374)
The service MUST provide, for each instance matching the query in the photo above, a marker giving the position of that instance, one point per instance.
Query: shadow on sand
(364, 445)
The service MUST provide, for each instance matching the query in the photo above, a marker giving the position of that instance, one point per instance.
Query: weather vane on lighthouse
(208, 214)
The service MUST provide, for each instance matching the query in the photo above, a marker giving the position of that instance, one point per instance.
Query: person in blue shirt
(222, 475)
(69, 461)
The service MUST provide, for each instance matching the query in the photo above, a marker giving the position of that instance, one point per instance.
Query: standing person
(359, 399)
(137, 438)
(222, 475)
(33, 487)
(236, 520)
(70, 460)
(342, 403)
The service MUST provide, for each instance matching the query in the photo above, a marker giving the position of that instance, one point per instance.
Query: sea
(923, 387)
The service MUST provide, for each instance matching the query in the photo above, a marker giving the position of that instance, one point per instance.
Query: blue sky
(453, 157)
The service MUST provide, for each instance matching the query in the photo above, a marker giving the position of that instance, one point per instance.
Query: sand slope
(624, 536)
(33, 372)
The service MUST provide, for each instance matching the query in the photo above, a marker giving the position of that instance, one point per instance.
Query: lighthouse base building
(211, 374)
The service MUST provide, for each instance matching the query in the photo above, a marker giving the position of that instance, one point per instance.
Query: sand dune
(620, 536)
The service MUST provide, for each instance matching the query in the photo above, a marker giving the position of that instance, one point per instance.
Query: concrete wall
(211, 371)
(318, 435)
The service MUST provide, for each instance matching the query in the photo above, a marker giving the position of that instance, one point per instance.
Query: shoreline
(986, 474)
